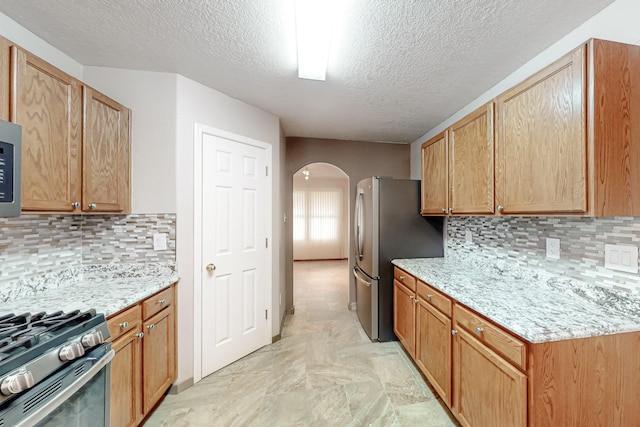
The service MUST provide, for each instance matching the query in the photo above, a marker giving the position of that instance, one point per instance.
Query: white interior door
(234, 232)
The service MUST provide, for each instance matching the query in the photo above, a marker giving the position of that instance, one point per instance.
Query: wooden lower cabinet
(145, 363)
(488, 391)
(433, 348)
(404, 316)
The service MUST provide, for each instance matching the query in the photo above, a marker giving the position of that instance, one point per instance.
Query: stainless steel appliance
(54, 369)
(10, 168)
(388, 225)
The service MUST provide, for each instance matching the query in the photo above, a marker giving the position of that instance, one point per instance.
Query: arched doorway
(320, 213)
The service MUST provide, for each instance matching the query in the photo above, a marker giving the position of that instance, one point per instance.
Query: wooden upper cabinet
(471, 163)
(105, 174)
(434, 176)
(5, 77)
(541, 150)
(46, 103)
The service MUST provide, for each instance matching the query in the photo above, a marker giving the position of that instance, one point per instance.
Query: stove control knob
(71, 351)
(92, 339)
(17, 383)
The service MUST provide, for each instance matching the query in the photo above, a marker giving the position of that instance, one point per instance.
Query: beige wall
(359, 160)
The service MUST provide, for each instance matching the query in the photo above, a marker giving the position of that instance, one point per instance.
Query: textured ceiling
(397, 67)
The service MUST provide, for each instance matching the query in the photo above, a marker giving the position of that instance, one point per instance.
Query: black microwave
(10, 168)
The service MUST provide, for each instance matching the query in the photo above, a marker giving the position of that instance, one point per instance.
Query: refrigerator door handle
(359, 278)
(359, 219)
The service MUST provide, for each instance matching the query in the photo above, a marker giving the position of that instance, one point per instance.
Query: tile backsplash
(44, 244)
(523, 240)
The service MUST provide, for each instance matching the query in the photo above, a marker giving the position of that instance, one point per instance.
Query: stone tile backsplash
(35, 245)
(523, 241)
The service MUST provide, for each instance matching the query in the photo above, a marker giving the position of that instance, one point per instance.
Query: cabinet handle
(454, 332)
(429, 296)
(75, 205)
(162, 301)
(151, 326)
(443, 210)
(500, 208)
(92, 206)
(479, 330)
(124, 324)
(411, 296)
(139, 335)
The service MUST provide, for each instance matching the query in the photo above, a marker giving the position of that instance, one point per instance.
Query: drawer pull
(479, 330)
(411, 296)
(416, 301)
(162, 301)
(139, 335)
(124, 324)
(151, 326)
(429, 296)
(401, 277)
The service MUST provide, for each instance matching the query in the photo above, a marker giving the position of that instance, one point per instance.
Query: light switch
(553, 248)
(621, 258)
(159, 241)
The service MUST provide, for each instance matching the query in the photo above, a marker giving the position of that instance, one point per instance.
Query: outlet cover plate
(159, 241)
(553, 248)
(621, 258)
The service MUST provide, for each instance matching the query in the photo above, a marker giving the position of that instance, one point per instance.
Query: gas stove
(35, 346)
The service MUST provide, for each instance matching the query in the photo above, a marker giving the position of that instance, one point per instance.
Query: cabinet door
(126, 380)
(488, 391)
(105, 159)
(471, 163)
(404, 316)
(541, 147)
(158, 357)
(46, 103)
(433, 348)
(434, 176)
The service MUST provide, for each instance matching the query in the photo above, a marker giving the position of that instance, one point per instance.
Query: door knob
(210, 267)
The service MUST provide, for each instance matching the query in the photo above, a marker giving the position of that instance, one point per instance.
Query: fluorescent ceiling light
(314, 26)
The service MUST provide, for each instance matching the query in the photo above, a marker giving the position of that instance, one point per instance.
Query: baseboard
(179, 388)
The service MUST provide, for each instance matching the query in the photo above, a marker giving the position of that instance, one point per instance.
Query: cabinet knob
(450, 210)
(92, 206)
(500, 208)
(401, 277)
(75, 205)
(124, 324)
(454, 332)
(416, 301)
(162, 301)
(429, 296)
(479, 330)
(411, 296)
(139, 335)
(443, 210)
(151, 326)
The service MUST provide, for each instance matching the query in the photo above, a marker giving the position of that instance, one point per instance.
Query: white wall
(199, 104)
(24, 38)
(619, 22)
(152, 99)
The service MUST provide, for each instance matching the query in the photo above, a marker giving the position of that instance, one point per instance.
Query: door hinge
(266, 314)
(266, 170)
(266, 242)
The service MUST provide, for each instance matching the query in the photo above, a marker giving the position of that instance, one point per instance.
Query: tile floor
(323, 372)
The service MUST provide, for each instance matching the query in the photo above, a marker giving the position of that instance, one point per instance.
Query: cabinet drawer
(435, 298)
(124, 322)
(506, 344)
(405, 278)
(157, 302)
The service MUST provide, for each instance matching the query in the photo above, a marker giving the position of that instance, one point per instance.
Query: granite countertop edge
(108, 293)
(536, 306)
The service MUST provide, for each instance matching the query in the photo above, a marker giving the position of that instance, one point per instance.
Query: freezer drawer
(367, 302)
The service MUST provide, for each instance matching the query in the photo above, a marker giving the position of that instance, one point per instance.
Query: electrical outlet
(621, 258)
(553, 248)
(159, 241)
(468, 236)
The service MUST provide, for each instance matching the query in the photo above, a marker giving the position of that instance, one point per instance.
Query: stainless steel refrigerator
(388, 225)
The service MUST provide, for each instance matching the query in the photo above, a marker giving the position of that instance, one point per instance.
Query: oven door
(76, 395)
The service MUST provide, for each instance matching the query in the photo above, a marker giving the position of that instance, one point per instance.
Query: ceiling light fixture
(306, 174)
(314, 26)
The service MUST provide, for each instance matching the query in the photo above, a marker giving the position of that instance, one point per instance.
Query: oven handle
(66, 393)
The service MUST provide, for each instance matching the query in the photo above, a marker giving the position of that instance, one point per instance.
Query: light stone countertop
(532, 303)
(107, 289)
